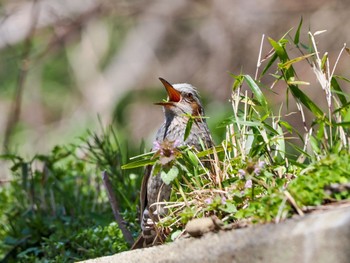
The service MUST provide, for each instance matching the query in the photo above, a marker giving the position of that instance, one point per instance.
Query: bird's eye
(189, 95)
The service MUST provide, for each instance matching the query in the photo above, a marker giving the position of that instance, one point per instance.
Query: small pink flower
(167, 150)
(208, 201)
(241, 173)
(257, 171)
(156, 145)
(223, 200)
(261, 164)
(176, 143)
(248, 184)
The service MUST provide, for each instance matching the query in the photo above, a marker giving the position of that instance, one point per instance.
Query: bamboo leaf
(314, 144)
(306, 101)
(269, 64)
(336, 87)
(297, 33)
(139, 163)
(342, 78)
(343, 124)
(188, 128)
(259, 96)
(344, 106)
(298, 82)
(281, 53)
(283, 56)
(324, 62)
(193, 158)
(287, 64)
(286, 125)
(247, 123)
(238, 81)
(218, 149)
(147, 154)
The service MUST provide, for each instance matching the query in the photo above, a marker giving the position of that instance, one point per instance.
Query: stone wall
(319, 237)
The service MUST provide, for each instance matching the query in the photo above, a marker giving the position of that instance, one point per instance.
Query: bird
(183, 104)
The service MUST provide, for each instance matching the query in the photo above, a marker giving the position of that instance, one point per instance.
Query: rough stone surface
(319, 237)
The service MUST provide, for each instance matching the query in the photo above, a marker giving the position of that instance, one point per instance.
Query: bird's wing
(139, 242)
(143, 193)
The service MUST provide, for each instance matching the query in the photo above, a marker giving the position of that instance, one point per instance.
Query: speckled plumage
(153, 190)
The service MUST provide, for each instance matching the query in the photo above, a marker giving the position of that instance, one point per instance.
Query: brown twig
(66, 30)
(291, 200)
(114, 204)
(22, 74)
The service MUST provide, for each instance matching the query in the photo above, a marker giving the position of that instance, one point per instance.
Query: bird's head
(183, 99)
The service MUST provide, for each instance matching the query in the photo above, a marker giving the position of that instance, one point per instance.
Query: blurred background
(66, 64)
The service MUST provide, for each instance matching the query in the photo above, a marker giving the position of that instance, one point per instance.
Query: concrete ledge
(320, 237)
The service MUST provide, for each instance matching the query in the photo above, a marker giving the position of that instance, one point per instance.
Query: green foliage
(92, 242)
(105, 153)
(169, 176)
(55, 208)
(310, 188)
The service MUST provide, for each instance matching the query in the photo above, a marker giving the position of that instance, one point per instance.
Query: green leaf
(323, 62)
(238, 81)
(188, 128)
(169, 176)
(297, 33)
(11, 241)
(320, 131)
(283, 39)
(269, 64)
(229, 208)
(218, 149)
(247, 123)
(314, 144)
(281, 147)
(147, 154)
(286, 125)
(276, 76)
(175, 234)
(306, 101)
(156, 169)
(138, 163)
(336, 87)
(287, 64)
(193, 158)
(342, 78)
(288, 73)
(279, 49)
(343, 124)
(298, 82)
(259, 96)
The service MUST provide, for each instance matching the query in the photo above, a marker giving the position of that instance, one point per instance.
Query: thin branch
(292, 201)
(22, 75)
(70, 32)
(258, 64)
(114, 204)
(336, 62)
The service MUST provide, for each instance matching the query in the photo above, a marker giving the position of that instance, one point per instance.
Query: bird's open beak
(173, 94)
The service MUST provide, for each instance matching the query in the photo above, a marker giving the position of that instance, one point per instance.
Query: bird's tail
(151, 235)
(139, 242)
(148, 240)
